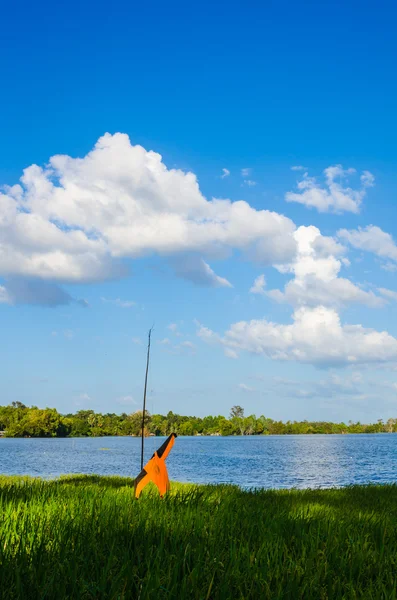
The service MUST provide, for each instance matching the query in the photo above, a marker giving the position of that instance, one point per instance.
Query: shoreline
(177, 486)
(259, 435)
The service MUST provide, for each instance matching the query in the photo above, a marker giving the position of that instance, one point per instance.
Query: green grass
(86, 537)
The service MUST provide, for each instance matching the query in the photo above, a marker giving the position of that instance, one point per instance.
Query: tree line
(18, 420)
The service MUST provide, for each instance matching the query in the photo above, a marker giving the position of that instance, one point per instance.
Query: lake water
(300, 461)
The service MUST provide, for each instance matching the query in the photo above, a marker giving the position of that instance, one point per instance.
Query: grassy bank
(85, 537)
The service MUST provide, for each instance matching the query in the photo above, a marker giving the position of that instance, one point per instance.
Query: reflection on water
(262, 461)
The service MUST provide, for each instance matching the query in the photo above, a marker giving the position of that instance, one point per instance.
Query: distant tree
(79, 427)
(226, 427)
(186, 428)
(18, 404)
(249, 424)
(237, 411)
(134, 421)
(18, 420)
(84, 414)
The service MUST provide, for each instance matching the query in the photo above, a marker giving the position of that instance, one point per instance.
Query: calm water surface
(300, 461)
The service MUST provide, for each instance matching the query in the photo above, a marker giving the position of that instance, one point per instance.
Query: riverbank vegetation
(85, 537)
(18, 420)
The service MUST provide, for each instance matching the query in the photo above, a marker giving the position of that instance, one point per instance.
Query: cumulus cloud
(298, 168)
(4, 297)
(19, 290)
(78, 219)
(196, 270)
(371, 239)
(390, 294)
(325, 246)
(315, 336)
(246, 172)
(259, 285)
(333, 196)
(313, 291)
(225, 173)
(316, 275)
(367, 179)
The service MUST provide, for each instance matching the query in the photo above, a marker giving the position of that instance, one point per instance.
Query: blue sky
(203, 149)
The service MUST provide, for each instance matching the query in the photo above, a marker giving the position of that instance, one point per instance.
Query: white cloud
(174, 328)
(246, 388)
(187, 348)
(137, 341)
(124, 303)
(371, 239)
(316, 281)
(19, 290)
(118, 302)
(325, 246)
(315, 336)
(246, 172)
(76, 219)
(352, 387)
(188, 345)
(126, 401)
(298, 168)
(231, 353)
(196, 270)
(225, 173)
(249, 182)
(391, 267)
(259, 285)
(4, 297)
(333, 386)
(82, 399)
(69, 334)
(367, 179)
(390, 294)
(332, 197)
(313, 291)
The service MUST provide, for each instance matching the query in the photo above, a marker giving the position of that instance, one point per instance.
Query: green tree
(226, 427)
(236, 412)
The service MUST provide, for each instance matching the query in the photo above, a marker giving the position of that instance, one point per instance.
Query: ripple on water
(315, 461)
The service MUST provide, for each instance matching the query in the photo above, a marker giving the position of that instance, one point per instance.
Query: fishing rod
(155, 470)
(144, 395)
